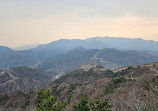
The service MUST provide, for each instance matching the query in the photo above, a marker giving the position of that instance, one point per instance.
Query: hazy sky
(42, 21)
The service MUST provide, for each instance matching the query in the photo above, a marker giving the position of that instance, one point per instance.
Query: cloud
(22, 9)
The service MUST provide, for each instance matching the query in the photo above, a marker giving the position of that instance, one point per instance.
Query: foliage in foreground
(97, 105)
(46, 102)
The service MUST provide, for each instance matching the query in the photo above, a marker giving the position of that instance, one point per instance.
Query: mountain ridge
(35, 56)
(107, 42)
(22, 79)
(109, 58)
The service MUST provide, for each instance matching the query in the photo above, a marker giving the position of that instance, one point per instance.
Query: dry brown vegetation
(128, 89)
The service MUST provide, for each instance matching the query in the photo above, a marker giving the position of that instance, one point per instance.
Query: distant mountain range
(66, 50)
(126, 43)
(101, 43)
(109, 58)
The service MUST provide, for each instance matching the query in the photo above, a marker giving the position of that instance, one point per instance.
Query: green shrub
(4, 97)
(110, 73)
(83, 105)
(114, 84)
(87, 73)
(21, 93)
(27, 103)
(88, 105)
(119, 80)
(55, 91)
(46, 102)
(70, 92)
(73, 87)
(109, 90)
(147, 86)
(124, 71)
(130, 67)
(101, 105)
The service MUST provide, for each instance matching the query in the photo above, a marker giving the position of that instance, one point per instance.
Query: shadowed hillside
(109, 58)
(22, 79)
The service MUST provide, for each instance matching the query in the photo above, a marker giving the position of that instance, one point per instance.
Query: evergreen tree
(46, 102)
(97, 105)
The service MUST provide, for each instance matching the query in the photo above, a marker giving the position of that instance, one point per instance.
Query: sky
(42, 21)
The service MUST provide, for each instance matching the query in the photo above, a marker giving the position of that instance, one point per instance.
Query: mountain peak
(91, 66)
